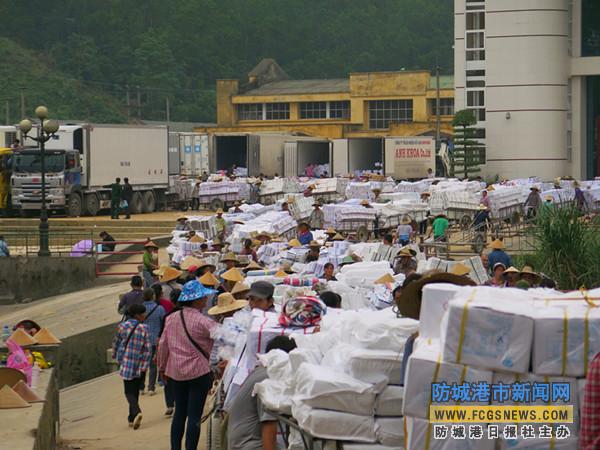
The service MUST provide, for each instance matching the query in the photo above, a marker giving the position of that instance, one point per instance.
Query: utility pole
(22, 102)
(139, 103)
(128, 104)
(437, 105)
(168, 110)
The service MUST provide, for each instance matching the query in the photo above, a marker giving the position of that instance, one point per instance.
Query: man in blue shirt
(304, 234)
(155, 315)
(498, 255)
(4, 251)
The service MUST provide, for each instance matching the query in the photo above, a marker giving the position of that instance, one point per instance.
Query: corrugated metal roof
(446, 82)
(301, 87)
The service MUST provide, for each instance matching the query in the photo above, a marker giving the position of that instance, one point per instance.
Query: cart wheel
(362, 234)
(515, 218)
(478, 243)
(465, 221)
(217, 203)
(213, 433)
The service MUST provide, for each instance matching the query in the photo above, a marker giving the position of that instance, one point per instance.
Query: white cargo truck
(302, 151)
(81, 161)
(357, 155)
(190, 151)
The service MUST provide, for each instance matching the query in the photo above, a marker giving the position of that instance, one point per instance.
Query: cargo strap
(436, 374)
(463, 326)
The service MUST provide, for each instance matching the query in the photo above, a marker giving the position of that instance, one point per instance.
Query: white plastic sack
(274, 395)
(304, 355)
(327, 388)
(277, 363)
(390, 431)
(389, 402)
(370, 366)
(337, 425)
(380, 330)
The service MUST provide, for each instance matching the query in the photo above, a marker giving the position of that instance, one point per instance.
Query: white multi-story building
(530, 70)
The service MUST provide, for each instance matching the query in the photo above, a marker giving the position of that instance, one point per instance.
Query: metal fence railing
(60, 243)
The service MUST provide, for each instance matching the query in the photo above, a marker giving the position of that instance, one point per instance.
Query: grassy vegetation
(567, 248)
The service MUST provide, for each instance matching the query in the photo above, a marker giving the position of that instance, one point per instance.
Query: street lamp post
(46, 131)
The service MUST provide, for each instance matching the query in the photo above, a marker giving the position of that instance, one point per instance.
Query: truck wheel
(136, 206)
(362, 234)
(216, 203)
(465, 222)
(148, 202)
(74, 205)
(92, 204)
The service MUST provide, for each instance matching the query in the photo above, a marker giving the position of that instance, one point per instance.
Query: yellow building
(371, 104)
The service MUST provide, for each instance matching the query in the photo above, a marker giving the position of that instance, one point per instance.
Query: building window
(250, 111)
(446, 107)
(313, 110)
(339, 110)
(475, 20)
(476, 103)
(590, 28)
(384, 112)
(277, 111)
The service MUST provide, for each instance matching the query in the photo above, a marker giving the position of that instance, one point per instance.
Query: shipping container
(353, 155)
(259, 153)
(192, 153)
(409, 157)
(301, 152)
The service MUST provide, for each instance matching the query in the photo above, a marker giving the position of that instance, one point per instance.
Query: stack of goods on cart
(343, 383)
(222, 187)
(299, 206)
(181, 246)
(390, 214)
(329, 185)
(205, 226)
(477, 271)
(527, 341)
(592, 196)
(343, 215)
(182, 186)
(279, 185)
(272, 222)
(362, 190)
(505, 200)
(376, 251)
(414, 186)
(561, 197)
(269, 255)
(410, 196)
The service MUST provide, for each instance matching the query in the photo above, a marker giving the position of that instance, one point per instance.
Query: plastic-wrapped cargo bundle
(272, 222)
(389, 401)
(423, 366)
(489, 328)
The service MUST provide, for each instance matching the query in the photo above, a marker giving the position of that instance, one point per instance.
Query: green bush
(567, 247)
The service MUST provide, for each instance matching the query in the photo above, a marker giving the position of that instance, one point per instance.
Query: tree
(468, 153)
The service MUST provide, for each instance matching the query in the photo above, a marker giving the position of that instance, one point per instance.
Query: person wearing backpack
(183, 361)
(155, 315)
(132, 350)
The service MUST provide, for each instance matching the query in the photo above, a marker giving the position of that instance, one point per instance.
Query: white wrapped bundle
(362, 273)
(274, 396)
(265, 326)
(509, 378)
(560, 196)
(378, 330)
(423, 364)
(416, 186)
(560, 336)
(334, 424)
(389, 402)
(370, 366)
(298, 356)
(401, 196)
(363, 191)
(353, 298)
(420, 436)
(301, 207)
(240, 171)
(390, 431)
(434, 303)
(489, 328)
(273, 222)
(209, 188)
(505, 197)
(272, 186)
(329, 388)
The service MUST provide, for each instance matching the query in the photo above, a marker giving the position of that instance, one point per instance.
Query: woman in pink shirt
(183, 360)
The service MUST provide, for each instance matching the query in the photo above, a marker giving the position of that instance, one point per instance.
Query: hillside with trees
(83, 57)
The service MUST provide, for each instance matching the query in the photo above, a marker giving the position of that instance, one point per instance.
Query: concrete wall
(32, 277)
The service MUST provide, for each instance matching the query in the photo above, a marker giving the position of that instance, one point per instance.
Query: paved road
(94, 417)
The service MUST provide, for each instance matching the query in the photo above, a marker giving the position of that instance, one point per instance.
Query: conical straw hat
(190, 261)
(45, 336)
(253, 265)
(233, 275)
(280, 274)
(240, 287)
(387, 278)
(208, 279)
(10, 399)
(22, 338)
(26, 393)
(294, 243)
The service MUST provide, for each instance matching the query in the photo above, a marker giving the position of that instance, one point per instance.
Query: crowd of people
(166, 337)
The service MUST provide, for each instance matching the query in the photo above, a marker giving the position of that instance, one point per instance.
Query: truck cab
(63, 176)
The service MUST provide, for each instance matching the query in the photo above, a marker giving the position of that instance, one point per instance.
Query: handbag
(124, 204)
